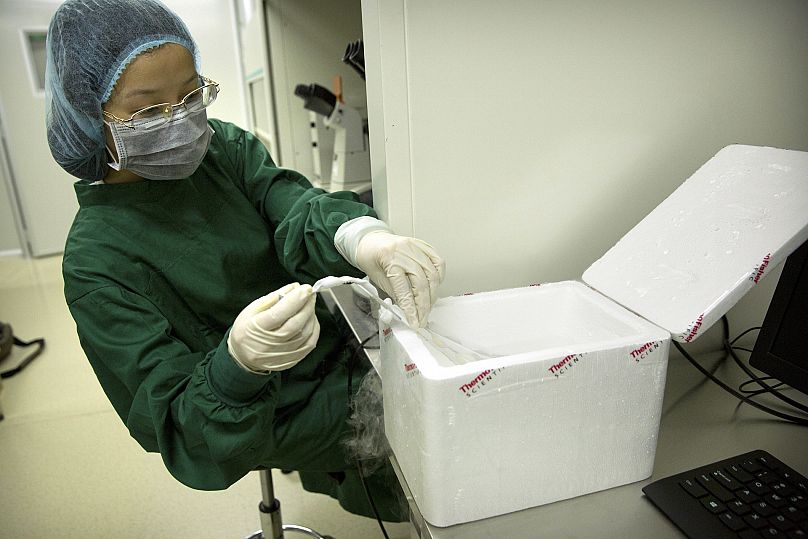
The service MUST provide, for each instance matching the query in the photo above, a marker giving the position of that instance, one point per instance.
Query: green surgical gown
(155, 273)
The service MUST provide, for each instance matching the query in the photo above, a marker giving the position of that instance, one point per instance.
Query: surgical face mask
(170, 151)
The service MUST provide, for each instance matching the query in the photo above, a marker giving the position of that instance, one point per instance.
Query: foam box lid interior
(697, 253)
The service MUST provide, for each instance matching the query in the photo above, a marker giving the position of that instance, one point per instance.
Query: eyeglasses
(160, 114)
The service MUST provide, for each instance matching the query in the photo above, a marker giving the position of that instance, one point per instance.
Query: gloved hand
(408, 269)
(276, 331)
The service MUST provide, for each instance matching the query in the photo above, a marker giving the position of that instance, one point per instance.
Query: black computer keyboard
(749, 495)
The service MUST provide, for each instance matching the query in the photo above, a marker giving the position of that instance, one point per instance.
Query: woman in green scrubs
(188, 265)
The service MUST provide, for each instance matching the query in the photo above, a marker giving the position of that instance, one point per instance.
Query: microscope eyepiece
(316, 98)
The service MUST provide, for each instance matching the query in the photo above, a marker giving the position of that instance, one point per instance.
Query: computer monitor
(781, 349)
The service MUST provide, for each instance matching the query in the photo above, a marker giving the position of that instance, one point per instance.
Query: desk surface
(701, 423)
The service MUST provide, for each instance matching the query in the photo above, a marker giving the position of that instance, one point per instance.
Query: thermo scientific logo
(644, 351)
(564, 365)
(471, 388)
(411, 370)
(757, 273)
(694, 328)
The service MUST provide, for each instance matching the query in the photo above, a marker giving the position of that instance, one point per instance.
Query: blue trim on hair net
(90, 43)
(137, 49)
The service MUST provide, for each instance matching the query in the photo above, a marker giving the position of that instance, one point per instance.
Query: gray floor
(68, 467)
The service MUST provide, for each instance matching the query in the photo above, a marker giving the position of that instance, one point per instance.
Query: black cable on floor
(351, 362)
(370, 499)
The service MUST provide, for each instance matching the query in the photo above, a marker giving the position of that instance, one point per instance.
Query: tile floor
(68, 467)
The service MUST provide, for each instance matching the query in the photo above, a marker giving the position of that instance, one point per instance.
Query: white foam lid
(694, 256)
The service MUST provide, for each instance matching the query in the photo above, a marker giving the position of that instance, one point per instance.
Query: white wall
(524, 138)
(212, 24)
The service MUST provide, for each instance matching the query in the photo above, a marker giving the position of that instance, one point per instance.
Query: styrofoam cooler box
(567, 399)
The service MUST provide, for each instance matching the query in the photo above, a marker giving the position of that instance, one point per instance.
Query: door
(258, 75)
(44, 198)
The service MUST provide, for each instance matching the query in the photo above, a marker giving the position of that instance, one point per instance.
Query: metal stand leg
(272, 526)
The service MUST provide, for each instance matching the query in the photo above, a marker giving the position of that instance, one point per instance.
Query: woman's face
(162, 75)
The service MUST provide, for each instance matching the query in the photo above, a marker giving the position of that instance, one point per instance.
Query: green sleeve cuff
(231, 383)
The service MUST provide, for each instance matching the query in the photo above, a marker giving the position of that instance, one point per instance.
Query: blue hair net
(90, 43)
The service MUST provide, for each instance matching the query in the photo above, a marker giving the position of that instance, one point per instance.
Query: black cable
(767, 378)
(794, 419)
(370, 499)
(771, 390)
(742, 349)
(351, 361)
(736, 339)
(796, 404)
(758, 392)
(761, 381)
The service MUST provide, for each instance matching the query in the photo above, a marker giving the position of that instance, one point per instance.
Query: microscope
(350, 164)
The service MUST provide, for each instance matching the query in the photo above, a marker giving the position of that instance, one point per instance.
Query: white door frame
(7, 174)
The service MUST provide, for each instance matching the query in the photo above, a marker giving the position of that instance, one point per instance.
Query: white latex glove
(276, 331)
(408, 269)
